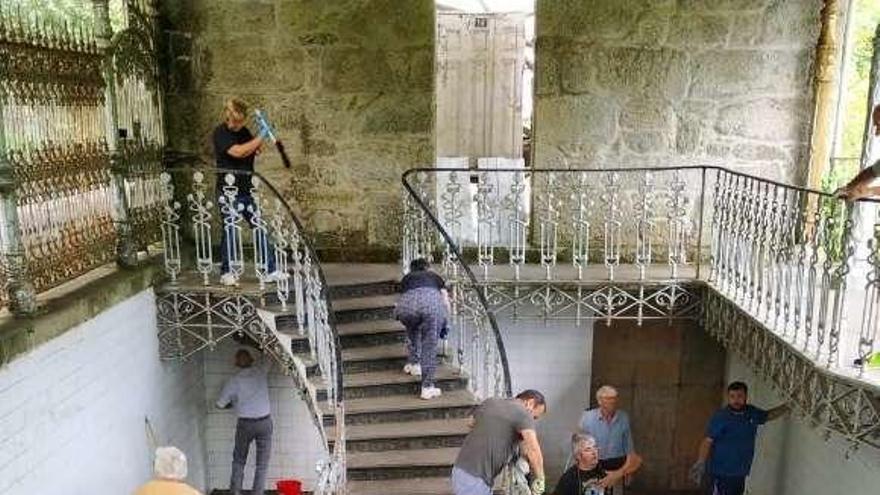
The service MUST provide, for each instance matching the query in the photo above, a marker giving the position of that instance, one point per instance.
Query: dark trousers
(247, 431)
(247, 203)
(728, 485)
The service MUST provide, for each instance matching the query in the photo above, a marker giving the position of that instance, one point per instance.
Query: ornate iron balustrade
(667, 243)
(195, 312)
(78, 189)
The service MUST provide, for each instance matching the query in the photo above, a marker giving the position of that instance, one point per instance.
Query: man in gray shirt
(497, 427)
(248, 391)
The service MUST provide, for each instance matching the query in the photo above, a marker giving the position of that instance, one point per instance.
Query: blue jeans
(728, 485)
(247, 202)
(464, 483)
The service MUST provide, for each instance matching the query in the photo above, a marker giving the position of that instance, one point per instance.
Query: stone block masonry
(72, 410)
(347, 83)
(630, 83)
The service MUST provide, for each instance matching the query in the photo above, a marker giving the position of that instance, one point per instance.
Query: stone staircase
(397, 443)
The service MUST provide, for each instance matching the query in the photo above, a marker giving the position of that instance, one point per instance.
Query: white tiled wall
(296, 446)
(556, 359)
(72, 411)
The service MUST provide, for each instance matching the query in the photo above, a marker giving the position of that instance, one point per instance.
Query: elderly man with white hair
(610, 428)
(169, 469)
(584, 477)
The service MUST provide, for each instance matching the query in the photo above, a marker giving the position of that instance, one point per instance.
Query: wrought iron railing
(78, 184)
(477, 343)
(205, 205)
(647, 243)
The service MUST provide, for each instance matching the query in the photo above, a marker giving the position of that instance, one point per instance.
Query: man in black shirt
(234, 151)
(585, 477)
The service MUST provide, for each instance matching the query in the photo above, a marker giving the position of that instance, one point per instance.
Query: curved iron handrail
(456, 251)
(324, 295)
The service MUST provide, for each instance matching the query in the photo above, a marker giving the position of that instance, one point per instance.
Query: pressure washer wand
(268, 131)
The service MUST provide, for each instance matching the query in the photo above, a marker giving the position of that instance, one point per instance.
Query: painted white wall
(72, 410)
(556, 359)
(792, 458)
(296, 445)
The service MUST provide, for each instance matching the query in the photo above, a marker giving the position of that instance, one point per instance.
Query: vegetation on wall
(864, 25)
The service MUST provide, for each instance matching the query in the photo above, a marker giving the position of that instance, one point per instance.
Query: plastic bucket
(289, 487)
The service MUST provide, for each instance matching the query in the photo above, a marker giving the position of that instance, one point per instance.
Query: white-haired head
(606, 391)
(584, 451)
(170, 464)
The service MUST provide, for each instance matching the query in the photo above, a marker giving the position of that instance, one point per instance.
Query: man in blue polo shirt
(729, 445)
(610, 428)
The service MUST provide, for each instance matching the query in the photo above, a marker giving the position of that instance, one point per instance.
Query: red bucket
(289, 487)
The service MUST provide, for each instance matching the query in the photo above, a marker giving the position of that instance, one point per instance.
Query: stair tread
(369, 327)
(454, 398)
(402, 458)
(411, 486)
(341, 274)
(368, 302)
(406, 429)
(387, 351)
(389, 377)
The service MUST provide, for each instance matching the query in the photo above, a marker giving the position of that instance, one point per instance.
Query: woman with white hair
(169, 470)
(585, 477)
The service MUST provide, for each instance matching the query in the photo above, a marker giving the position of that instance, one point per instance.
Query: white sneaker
(413, 369)
(429, 393)
(276, 276)
(228, 278)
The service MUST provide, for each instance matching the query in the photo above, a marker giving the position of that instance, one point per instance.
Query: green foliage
(867, 17)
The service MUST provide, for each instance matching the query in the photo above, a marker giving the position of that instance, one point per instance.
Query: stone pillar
(22, 295)
(825, 84)
(126, 253)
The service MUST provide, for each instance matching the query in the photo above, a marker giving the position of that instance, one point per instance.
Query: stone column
(22, 295)
(126, 253)
(825, 87)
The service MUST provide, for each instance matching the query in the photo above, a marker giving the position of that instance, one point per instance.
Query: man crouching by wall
(248, 391)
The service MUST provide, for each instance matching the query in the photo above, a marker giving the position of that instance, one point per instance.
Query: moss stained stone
(340, 80)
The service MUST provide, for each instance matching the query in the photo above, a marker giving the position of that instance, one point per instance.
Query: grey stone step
(364, 289)
(391, 382)
(395, 464)
(364, 308)
(400, 408)
(369, 302)
(417, 486)
(374, 358)
(408, 435)
(371, 332)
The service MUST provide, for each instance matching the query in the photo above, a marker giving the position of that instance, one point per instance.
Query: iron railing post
(20, 289)
(700, 221)
(126, 252)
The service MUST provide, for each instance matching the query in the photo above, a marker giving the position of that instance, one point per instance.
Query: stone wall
(628, 83)
(72, 410)
(348, 84)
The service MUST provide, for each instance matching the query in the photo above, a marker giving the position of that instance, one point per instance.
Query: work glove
(697, 471)
(538, 486)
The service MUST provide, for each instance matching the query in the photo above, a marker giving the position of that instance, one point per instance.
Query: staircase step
(401, 464)
(407, 435)
(391, 382)
(371, 333)
(419, 486)
(369, 302)
(400, 408)
(364, 308)
(364, 289)
(375, 358)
